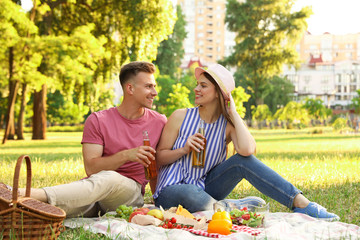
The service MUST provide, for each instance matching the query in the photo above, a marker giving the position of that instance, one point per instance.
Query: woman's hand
(230, 105)
(195, 142)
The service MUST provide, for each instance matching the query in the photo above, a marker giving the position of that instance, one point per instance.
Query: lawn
(324, 166)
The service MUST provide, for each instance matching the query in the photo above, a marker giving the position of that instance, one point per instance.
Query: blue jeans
(222, 179)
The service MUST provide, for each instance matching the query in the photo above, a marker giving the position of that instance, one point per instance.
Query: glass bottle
(198, 158)
(151, 170)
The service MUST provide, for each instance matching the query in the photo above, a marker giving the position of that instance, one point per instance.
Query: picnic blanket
(279, 226)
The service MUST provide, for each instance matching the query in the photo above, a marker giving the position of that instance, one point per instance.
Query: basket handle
(16, 178)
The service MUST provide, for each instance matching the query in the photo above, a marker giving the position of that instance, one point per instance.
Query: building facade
(208, 39)
(330, 69)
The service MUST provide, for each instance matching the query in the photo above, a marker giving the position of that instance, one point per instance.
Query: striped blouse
(181, 171)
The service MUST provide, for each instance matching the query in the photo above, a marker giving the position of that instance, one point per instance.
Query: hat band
(218, 80)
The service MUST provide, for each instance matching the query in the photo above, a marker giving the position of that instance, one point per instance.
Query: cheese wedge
(183, 212)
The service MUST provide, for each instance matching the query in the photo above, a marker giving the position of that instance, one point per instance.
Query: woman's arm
(242, 139)
(164, 154)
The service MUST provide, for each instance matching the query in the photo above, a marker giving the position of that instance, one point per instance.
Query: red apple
(144, 210)
(135, 213)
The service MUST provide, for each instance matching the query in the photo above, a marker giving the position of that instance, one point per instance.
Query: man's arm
(94, 162)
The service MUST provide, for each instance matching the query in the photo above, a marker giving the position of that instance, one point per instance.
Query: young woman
(198, 188)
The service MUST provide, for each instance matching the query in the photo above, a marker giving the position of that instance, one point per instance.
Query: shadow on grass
(308, 155)
(47, 157)
(43, 144)
(310, 137)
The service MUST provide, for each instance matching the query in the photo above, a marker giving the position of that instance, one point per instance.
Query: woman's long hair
(221, 98)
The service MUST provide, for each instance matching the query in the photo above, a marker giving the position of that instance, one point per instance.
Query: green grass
(326, 167)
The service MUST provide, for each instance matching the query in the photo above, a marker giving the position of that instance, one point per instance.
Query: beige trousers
(95, 195)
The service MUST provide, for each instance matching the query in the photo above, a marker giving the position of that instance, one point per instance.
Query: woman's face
(205, 91)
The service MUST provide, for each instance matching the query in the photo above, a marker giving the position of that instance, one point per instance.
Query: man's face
(144, 89)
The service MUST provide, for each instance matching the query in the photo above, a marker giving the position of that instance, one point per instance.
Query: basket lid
(5, 195)
(41, 208)
(5, 198)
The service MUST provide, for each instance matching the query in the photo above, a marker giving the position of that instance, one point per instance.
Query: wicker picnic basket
(25, 217)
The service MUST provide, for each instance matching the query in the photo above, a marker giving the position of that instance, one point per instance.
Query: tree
(279, 93)
(132, 29)
(240, 96)
(177, 99)
(165, 84)
(15, 29)
(188, 80)
(355, 102)
(63, 110)
(293, 114)
(171, 51)
(70, 45)
(261, 113)
(340, 124)
(316, 109)
(266, 34)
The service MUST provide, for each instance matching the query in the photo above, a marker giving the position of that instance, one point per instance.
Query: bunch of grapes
(124, 212)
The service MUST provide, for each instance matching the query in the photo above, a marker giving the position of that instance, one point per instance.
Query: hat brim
(199, 71)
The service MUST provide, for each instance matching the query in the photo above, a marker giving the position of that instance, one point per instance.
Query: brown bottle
(151, 170)
(198, 158)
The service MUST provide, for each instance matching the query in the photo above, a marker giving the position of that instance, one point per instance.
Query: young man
(113, 151)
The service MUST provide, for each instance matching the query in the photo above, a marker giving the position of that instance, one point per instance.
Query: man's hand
(141, 155)
(94, 162)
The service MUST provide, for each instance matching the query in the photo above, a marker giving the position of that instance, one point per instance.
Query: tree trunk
(259, 101)
(13, 88)
(1, 120)
(39, 117)
(20, 123)
(9, 119)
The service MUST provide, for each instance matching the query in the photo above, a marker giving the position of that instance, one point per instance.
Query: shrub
(339, 124)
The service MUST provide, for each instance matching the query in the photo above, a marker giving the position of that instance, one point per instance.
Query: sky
(333, 16)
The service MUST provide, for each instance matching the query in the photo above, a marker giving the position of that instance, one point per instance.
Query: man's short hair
(132, 69)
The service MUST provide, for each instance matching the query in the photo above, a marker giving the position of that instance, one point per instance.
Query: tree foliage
(77, 48)
(293, 114)
(340, 124)
(165, 84)
(240, 96)
(261, 114)
(15, 29)
(355, 102)
(279, 93)
(188, 80)
(177, 99)
(266, 34)
(316, 109)
(171, 51)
